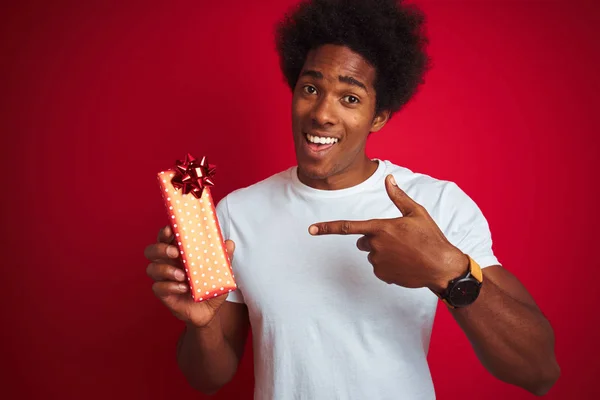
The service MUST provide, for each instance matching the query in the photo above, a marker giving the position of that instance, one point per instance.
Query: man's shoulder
(261, 190)
(416, 181)
(436, 194)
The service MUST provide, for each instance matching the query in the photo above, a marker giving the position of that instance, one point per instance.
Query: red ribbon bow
(192, 176)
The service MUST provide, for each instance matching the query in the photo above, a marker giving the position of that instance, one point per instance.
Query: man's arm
(209, 350)
(209, 356)
(510, 335)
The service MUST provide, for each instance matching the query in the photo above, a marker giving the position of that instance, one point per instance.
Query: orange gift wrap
(193, 219)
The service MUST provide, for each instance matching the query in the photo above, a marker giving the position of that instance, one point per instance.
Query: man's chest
(285, 274)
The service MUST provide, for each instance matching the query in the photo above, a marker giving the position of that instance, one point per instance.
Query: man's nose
(324, 112)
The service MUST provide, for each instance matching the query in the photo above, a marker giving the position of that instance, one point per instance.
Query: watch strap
(475, 270)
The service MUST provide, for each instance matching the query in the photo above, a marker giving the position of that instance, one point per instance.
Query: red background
(96, 97)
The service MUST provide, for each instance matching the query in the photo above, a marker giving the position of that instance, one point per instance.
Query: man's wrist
(214, 325)
(455, 264)
(206, 335)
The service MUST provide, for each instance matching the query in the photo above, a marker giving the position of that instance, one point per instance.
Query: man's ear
(380, 120)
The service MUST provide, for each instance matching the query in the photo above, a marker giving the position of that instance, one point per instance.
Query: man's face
(333, 111)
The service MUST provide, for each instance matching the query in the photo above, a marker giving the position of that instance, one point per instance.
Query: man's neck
(353, 175)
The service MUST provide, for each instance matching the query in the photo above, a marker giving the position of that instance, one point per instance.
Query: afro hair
(388, 34)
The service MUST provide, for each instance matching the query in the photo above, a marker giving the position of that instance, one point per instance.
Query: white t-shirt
(323, 326)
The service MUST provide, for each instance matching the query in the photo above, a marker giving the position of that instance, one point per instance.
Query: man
(341, 260)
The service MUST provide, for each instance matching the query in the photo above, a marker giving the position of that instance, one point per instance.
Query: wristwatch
(463, 290)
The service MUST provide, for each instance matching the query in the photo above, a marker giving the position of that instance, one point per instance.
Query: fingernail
(183, 288)
(172, 252)
(313, 229)
(393, 181)
(179, 275)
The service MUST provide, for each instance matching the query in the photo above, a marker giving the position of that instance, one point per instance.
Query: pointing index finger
(342, 227)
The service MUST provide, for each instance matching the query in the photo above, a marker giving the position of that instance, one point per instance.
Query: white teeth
(321, 140)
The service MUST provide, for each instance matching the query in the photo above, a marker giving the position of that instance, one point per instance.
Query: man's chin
(313, 172)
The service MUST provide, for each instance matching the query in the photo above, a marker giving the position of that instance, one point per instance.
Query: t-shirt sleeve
(225, 224)
(468, 229)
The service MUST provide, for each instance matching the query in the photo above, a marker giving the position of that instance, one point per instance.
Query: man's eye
(310, 89)
(351, 99)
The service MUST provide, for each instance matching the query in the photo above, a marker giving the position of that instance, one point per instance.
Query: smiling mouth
(319, 144)
(320, 140)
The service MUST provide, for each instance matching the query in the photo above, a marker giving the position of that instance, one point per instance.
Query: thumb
(405, 204)
(230, 247)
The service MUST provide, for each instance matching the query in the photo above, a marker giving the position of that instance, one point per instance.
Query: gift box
(193, 219)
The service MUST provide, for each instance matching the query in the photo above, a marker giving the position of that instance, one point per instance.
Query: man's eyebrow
(354, 82)
(314, 74)
(345, 79)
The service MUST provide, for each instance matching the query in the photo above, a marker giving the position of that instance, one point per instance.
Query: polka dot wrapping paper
(199, 239)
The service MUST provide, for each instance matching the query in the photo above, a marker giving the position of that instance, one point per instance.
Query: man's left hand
(409, 251)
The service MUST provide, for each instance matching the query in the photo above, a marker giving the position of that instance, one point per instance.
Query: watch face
(464, 293)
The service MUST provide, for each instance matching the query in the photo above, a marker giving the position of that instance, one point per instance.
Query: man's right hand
(170, 282)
